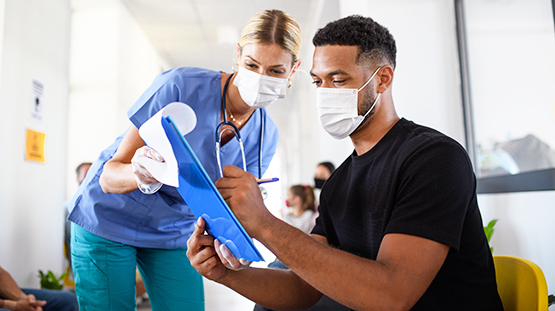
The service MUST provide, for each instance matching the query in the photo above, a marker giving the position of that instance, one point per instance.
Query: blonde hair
(273, 26)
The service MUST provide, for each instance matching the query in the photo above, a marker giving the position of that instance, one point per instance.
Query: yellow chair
(521, 284)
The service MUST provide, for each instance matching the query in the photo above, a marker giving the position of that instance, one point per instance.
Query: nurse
(123, 218)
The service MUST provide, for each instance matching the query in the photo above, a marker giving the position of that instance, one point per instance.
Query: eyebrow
(332, 73)
(257, 62)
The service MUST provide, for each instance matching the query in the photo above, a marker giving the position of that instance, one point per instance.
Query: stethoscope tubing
(235, 130)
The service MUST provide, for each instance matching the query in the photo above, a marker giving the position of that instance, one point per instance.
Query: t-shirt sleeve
(163, 90)
(436, 187)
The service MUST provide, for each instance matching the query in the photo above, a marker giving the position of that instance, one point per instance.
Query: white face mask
(257, 90)
(338, 109)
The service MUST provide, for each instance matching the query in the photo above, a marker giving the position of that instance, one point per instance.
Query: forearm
(118, 177)
(8, 287)
(272, 288)
(354, 281)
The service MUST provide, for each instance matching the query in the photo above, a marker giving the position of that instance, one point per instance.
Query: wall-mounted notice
(37, 104)
(34, 146)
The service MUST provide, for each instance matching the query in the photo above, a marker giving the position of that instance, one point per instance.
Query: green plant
(488, 230)
(50, 281)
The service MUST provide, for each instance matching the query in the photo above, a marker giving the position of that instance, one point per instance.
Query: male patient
(399, 225)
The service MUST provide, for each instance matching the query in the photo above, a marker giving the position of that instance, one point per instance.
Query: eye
(277, 72)
(338, 81)
(317, 82)
(251, 65)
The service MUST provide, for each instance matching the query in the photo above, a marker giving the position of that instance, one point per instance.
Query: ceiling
(204, 33)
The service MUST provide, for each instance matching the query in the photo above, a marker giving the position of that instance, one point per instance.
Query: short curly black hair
(373, 39)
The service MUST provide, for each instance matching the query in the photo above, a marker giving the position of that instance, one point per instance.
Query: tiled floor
(219, 297)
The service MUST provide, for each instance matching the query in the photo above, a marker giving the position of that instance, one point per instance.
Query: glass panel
(511, 53)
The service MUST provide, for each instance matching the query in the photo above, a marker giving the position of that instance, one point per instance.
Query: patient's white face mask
(338, 109)
(258, 90)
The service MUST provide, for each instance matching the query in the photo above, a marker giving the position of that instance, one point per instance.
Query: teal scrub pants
(104, 273)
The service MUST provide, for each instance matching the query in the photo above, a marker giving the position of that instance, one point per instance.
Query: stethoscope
(235, 130)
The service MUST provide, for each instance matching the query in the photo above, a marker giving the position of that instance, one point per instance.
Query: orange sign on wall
(34, 146)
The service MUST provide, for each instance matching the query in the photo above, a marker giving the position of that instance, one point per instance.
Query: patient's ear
(384, 78)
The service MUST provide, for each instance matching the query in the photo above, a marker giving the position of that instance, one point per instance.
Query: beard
(368, 101)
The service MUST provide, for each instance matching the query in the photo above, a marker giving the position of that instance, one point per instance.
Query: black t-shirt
(420, 182)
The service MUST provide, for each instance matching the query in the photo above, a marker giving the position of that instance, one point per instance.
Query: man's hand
(202, 254)
(241, 192)
(26, 303)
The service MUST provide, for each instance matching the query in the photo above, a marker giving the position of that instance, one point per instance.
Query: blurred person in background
(14, 298)
(321, 173)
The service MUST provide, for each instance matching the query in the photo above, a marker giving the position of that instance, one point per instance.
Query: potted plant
(50, 281)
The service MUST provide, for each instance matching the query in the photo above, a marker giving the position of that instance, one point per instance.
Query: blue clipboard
(202, 197)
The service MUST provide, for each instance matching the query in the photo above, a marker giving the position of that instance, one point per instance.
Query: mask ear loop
(379, 94)
(372, 77)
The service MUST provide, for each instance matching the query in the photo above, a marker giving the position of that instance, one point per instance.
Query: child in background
(300, 212)
(300, 207)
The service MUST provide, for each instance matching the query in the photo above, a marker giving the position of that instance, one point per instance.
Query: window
(510, 76)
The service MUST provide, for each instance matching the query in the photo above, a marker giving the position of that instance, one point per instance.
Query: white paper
(155, 137)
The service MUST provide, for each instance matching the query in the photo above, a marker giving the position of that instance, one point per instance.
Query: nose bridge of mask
(272, 86)
(248, 76)
(339, 99)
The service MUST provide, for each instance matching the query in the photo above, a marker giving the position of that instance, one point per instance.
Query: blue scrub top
(162, 219)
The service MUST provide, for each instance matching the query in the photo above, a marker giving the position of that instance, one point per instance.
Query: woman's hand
(228, 259)
(145, 181)
(203, 255)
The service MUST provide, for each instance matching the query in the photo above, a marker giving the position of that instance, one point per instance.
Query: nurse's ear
(295, 67)
(239, 51)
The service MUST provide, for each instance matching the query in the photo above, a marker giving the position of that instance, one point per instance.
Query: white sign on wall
(37, 103)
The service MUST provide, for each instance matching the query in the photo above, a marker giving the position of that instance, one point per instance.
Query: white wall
(112, 63)
(35, 45)
(2, 7)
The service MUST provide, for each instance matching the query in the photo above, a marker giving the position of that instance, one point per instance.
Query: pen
(265, 180)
